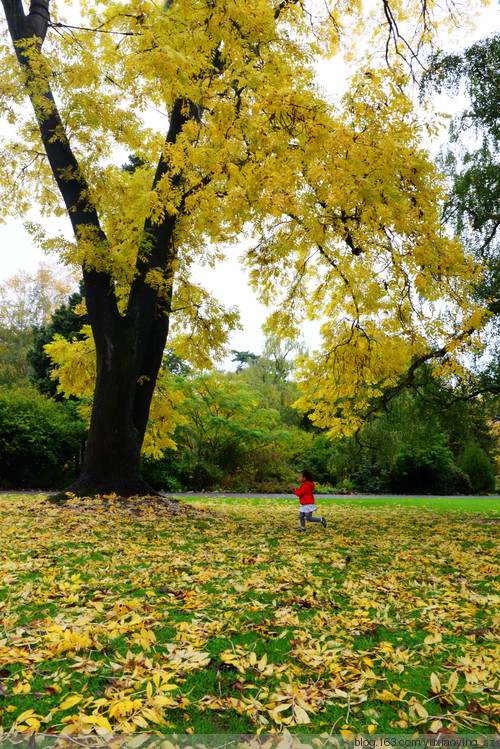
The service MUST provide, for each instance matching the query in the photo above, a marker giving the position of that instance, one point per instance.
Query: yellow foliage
(342, 202)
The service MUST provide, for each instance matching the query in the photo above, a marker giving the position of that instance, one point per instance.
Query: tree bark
(129, 347)
(111, 461)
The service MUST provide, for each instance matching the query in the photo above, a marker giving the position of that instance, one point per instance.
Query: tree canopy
(340, 200)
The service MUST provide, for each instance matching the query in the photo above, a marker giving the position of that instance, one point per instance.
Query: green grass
(484, 505)
(215, 619)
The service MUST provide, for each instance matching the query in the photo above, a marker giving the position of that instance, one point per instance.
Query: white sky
(228, 281)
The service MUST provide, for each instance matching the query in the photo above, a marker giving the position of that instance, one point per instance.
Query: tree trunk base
(91, 487)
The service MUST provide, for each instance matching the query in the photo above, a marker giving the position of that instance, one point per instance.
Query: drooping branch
(407, 380)
(396, 37)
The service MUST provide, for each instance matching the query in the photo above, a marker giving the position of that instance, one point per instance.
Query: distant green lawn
(481, 505)
(476, 505)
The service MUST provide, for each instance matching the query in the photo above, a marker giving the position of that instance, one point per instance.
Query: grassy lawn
(485, 505)
(223, 619)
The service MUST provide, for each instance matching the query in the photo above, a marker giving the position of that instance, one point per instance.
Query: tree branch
(26, 33)
(407, 380)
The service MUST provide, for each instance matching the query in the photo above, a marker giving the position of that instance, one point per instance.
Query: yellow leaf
(301, 717)
(70, 701)
(153, 715)
(346, 734)
(420, 710)
(252, 658)
(283, 706)
(453, 682)
(387, 696)
(96, 720)
(341, 693)
(163, 701)
(229, 657)
(139, 721)
(262, 663)
(433, 639)
(435, 684)
(436, 725)
(33, 723)
(26, 714)
(149, 690)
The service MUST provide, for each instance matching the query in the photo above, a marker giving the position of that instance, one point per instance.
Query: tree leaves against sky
(126, 617)
(340, 200)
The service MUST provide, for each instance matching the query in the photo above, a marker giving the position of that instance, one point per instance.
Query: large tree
(343, 201)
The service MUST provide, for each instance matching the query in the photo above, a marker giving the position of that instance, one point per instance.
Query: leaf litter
(133, 616)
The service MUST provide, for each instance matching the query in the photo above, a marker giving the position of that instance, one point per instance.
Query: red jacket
(305, 493)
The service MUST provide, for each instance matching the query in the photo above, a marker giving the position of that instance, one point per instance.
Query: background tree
(244, 358)
(27, 300)
(471, 160)
(225, 430)
(343, 201)
(417, 442)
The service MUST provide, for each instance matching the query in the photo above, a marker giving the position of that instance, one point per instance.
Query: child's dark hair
(307, 474)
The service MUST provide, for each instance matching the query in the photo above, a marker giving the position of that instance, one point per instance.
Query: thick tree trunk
(111, 461)
(128, 358)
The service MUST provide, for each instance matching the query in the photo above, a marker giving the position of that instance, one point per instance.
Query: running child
(305, 493)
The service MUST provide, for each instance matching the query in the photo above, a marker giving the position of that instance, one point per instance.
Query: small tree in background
(66, 321)
(27, 300)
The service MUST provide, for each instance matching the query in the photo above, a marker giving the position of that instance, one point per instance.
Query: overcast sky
(18, 252)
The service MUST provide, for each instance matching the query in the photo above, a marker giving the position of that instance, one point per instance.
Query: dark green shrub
(320, 460)
(270, 472)
(39, 440)
(458, 482)
(203, 476)
(371, 477)
(423, 470)
(476, 464)
(161, 474)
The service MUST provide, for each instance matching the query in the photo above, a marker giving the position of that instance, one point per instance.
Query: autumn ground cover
(217, 617)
